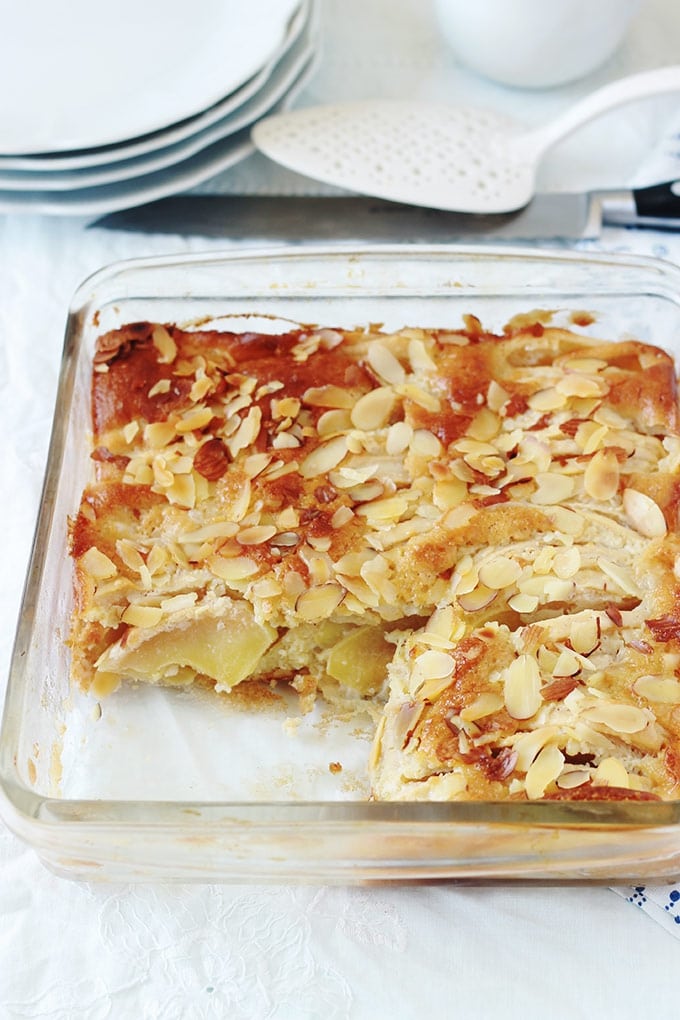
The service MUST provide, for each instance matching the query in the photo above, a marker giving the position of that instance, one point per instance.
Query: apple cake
(471, 535)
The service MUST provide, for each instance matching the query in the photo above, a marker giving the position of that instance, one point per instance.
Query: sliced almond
(662, 689)
(543, 771)
(522, 687)
(324, 458)
(552, 488)
(643, 514)
(611, 772)
(499, 572)
(566, 563)
(384, 363)
(328, 396)
(477, 599)
(601, 477)
(485, 704)
(373, 409)
(584, 634)
(98, 564)
(319, 602)
(619, 718)
(142, 616)
(405, 721)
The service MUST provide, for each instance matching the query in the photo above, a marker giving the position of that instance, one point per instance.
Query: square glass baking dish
(159, 784)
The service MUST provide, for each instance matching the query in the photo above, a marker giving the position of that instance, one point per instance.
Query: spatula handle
(662, 201)
(616, 93)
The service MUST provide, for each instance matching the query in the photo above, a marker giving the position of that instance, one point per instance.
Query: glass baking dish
(159, 784)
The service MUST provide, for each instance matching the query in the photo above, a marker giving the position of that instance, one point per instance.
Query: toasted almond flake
(195, 419)
(477, 599)
(431, 690)
(179, 603)
(425, 444)
(547, 400)
(373, 409)
(581, 386)
(342, 516)
(543, 771)
(332, 423)
(496, 396)
(522, 603)
(317, 603)
(384, 363)
(616, 717)
(522, 687)
(611, 772)
(584, 634)
(441, 622)
(619, 575)
(484, 426)
(643, 514)
(662, 689)
(159, 434)
(571, 777)
(551, 488)
(399, 435)
(164, 344)
(419, 396)
(529, 744)
(182, 491)
(419, 357)
(595, 439)
(200, 388)
(459, 517)
(130, 431)
(405, 721)
(433, 665)
(285, 441)
(449, 493)
(324, 458)
(389, 509)
(601, 477)
(566, 563)
(98, 564)
(499, 572)
(566, 665)
(485, 704)
(256, 535)
(142, 616)
(233, 568)
(329, 396)
(567, 521)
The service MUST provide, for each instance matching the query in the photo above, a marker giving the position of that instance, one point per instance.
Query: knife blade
(296, 219)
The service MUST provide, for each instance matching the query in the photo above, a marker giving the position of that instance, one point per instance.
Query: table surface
(70, 950)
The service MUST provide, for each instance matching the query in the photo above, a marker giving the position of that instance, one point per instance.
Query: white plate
(79, 159)
(79, 75)
(140, 190)
(281, 79)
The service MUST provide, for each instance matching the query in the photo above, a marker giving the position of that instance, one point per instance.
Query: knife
(323, 218)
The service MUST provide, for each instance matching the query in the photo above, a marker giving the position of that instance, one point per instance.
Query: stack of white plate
(107, 106)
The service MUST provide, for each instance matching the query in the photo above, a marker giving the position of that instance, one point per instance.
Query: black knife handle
(661, 201)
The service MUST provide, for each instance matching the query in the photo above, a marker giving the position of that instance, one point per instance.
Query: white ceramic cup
(534, 43)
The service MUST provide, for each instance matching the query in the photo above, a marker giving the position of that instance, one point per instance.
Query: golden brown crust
(490, 520)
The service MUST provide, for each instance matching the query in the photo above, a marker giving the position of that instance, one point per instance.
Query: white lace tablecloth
(71, 950)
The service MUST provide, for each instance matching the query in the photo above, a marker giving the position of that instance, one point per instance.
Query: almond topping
(329, 396)
(552, 488)
(373, 409)
(620, 718)
(324, 458)
(610, 772)
(601, 477)
(543, 771)
(142, 616)
(384, 364)
(522, 687)
(499, 572)
(212, 459)
(643, 514)
(98, 564)
(164, 344)
(319, 602)
(662, 689)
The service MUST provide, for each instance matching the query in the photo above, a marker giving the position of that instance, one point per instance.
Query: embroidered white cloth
(70, 951)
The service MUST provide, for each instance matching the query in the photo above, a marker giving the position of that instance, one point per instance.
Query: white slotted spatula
(445, 157)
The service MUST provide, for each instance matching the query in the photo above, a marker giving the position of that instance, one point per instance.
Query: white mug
(534, 43)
